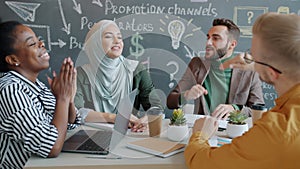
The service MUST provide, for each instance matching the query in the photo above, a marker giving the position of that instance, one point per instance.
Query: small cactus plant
(236, 117)
(178, 118)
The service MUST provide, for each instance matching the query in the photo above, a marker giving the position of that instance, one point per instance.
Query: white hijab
(110, 79)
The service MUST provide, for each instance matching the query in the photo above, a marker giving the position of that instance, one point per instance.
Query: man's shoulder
(197, 59)
(247, 72)
(197, 63)
(248, 75)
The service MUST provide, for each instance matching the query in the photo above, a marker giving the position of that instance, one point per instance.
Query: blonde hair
(280, 34)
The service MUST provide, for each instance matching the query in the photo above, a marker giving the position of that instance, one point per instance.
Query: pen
(104, 157)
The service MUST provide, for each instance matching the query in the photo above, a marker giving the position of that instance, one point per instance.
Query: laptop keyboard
(98, 142)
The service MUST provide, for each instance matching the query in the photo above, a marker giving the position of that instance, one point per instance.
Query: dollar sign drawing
(139, 49)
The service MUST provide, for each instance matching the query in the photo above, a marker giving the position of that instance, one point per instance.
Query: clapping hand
(63, 86)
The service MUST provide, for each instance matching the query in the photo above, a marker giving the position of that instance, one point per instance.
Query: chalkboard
(147, 28)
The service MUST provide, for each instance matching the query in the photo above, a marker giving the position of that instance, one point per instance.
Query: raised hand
(64, 84)
(222, 111)
(195, 92)
(206, 125)
(62, 87)
(238, 62)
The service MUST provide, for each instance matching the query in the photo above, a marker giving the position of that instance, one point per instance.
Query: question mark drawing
(171, 85)
(250, 15)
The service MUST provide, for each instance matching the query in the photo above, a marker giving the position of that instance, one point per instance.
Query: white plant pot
(235, 130)
(177, 133)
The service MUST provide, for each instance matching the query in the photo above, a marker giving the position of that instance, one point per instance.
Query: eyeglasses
(248, 61)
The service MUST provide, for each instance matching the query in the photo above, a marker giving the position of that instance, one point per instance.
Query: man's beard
(219, 53)
(222, 52)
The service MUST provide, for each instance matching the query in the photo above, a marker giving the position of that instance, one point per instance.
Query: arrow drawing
(60, 43)
(25, 10)
(97, 2)
(77, 7)
(67, 27)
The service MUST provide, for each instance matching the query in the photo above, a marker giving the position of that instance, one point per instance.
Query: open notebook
(157, 147)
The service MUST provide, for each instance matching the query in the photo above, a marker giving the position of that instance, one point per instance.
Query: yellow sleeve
(197, 143)
(257, 148)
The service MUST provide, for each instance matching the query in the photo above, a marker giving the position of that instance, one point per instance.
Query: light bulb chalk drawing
(171, 85)
(176, 29)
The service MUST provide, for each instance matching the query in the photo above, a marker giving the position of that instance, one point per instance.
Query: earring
(17, 64)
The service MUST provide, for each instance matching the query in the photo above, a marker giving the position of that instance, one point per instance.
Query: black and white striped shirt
(26, 110)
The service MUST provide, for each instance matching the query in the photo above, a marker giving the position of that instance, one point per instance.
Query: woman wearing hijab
(33, 119)
(109, 76)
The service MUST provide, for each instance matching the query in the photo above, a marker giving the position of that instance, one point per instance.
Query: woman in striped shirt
(33, 119)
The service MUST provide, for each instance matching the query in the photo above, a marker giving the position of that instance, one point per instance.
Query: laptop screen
(122, 119)
(81, 140)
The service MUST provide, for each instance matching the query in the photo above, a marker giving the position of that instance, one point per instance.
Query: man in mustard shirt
(274, 140)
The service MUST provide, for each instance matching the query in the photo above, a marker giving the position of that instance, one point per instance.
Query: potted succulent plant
(236, 125)
(178, 129)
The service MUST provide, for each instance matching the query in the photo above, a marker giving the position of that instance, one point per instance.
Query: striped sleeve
(78, 121)
(48, 100)
(26, 121)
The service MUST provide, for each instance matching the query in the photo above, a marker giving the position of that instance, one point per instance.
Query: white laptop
(103, 141)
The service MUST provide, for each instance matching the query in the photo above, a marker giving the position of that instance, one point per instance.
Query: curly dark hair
(7, 40)
(233, 29)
